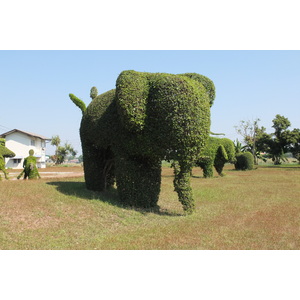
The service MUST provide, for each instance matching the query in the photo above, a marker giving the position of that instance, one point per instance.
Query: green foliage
(93, 92)
(150, 117)
(138, 181)
(280, 124)
(78, 102)
(277, 143)
(30, 170)
(61, 152)
(249, 130)
(182, 187)
(217, 152)
(207, 83)
(4, 152)
(244, 161)
(238, 146)
(55, 141)
(294, 143)
(132, 90)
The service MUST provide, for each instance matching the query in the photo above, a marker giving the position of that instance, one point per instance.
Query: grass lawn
(257, 209)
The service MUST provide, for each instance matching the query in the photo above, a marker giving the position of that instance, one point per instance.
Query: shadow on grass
(202, 177)
(78, 189)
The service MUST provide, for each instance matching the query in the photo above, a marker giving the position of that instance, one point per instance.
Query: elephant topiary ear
(132, 90)
(207, 83)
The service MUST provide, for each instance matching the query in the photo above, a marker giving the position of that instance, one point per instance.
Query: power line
(5, 127)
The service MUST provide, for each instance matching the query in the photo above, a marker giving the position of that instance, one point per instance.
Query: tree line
(273, 145)
(61, 152)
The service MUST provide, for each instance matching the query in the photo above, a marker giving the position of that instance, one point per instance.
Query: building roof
(3, 135)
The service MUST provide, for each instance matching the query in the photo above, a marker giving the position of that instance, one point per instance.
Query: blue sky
(249, 85)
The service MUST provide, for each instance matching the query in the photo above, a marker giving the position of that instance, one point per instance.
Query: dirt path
(52, 172)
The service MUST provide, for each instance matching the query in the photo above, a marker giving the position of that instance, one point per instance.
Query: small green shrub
(244, 161)
(4, 152)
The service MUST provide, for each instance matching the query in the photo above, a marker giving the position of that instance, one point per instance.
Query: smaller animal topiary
(30, 170)
(217, 152)
(4, 152)
(244, 161)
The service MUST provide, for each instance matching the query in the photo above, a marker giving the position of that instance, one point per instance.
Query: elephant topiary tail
(78, 102)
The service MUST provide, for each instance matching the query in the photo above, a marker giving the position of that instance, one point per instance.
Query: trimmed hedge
(149, 117)
(244, 161)
(4, 152)
(30, 170)
(217, 152)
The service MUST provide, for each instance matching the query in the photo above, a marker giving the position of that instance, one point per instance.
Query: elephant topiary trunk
(149, 117)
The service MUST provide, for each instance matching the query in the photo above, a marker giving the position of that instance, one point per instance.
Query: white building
(20, 142)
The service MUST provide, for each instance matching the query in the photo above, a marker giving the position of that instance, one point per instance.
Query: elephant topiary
(149, 117)
(30, 170)
(217, 152)
(4, 152)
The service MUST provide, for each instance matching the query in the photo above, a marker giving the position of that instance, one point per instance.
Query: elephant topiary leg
(6, 175)
(220, 160)
(208, 171)
(183, 188)
(207, 168)
(219, 168)
(98, 168)
(138, 181)
(206, 164)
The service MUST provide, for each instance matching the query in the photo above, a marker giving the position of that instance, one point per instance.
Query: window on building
(32, 142)
(17, 161)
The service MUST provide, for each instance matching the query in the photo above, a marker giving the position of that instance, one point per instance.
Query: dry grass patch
(257, 209)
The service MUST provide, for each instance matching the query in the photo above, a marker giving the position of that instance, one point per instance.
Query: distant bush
(244, 161)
